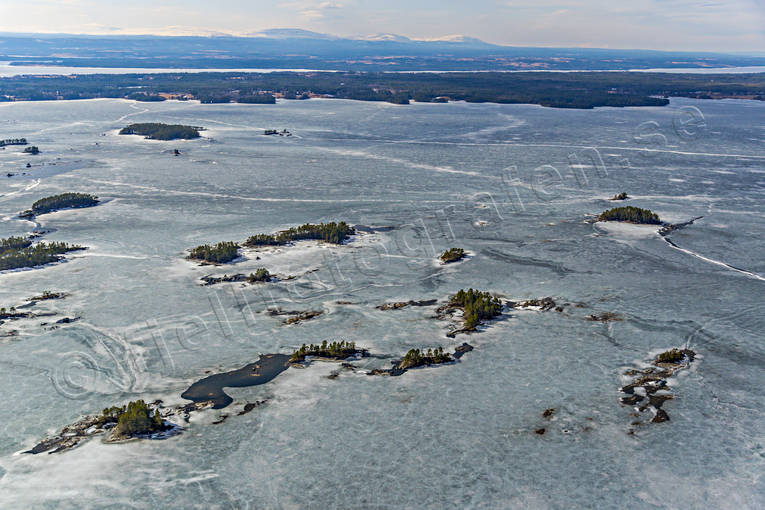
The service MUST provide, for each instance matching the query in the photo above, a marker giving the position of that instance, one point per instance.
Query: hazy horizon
(674, 25)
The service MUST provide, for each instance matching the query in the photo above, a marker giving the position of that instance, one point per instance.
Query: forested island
(131, 420)
(453, 255)
(631, 214)
(334, 350)
(559, 90)
(335, 233)
(59, 202)
(159, 131)
(477, 306)
(220, 253)
(421, 358)
(21, 252)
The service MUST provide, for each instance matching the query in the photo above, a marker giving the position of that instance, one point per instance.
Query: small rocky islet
(649, 388)
(21, 313)
(452, 255)
(295, 317)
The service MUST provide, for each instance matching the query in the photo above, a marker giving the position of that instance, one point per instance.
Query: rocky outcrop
(668, 228)
(650, 390)
(605, 317)
(214, 280)
(403, 304)
(295, 317)
(543, 304)
(47, 296)
(249, 406)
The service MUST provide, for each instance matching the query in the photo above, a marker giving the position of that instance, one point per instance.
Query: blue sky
(734, 25)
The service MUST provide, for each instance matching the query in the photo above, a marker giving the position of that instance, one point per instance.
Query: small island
(20, 253)
(335, 350)
(47, 295)
(416, 358)
(649, 389)
(165, 132)
(133, 420)
(13, 141)
(59, 202)
(477, 306)
(403, 304)
(12, 314)
(675, 357)
(630, 214)
(32, 149)
(303, 316)
(453, 255)
(620, 196)
(220, 253)
(335, 233)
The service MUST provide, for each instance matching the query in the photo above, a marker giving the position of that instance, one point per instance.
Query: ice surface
(460, 436)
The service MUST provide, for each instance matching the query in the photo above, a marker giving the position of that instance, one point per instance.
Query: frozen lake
(515, 185)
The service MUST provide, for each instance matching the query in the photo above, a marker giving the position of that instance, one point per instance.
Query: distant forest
(560, 90)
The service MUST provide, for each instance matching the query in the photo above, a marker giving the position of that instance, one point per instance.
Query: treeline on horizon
(561, 90)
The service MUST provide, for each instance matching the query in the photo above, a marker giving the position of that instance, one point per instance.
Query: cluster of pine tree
(338, 350)
(261, 275)
(416, 358)
(13, 141)
(333, 232)
(64, 201)
(18, 252)
(215, 254)
(476, 306)
(675, 356)
(133, 418)
(452, 255)
(631, 214)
